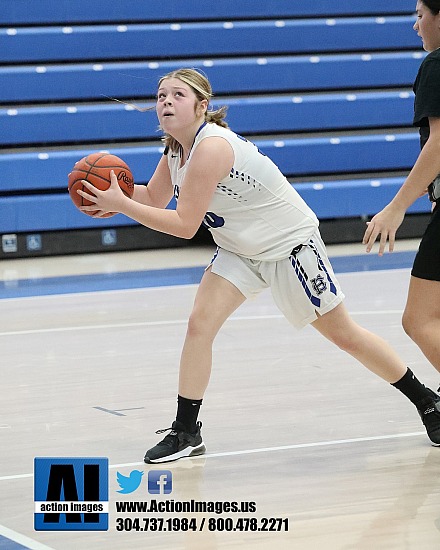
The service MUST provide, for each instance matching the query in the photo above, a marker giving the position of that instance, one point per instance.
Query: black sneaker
(429, 411)
(177, 444)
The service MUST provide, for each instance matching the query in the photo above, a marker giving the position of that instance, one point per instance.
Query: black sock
(187, 412)
(414, 390)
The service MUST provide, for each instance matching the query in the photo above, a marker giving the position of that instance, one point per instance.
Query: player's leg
(368, 348)
(307, 291)
(421, 318)
(216, 299)
(379, 357)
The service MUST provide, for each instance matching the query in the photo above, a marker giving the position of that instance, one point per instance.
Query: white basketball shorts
(302, 285)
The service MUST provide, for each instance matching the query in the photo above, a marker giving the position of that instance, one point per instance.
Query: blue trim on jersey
(20, 288)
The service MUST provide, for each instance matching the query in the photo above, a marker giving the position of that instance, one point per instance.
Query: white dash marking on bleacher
(297, 99)
(366, 57)
(67, 30)
(261, 61)
(318, 186)
(314, 59)
(11, 32)
(12, 112)
(97, 67)
(72, 110)
(129, 107)
(153, 65)
(351, 97)
(228, 25)
(208, 63)
(330, 22)
(122, 28)
(380, 20)
(175, 27)
(43, 156)
(41, 70)
(278, 143)
(404, 95)
(280, 23)
(335, 141)
(390, 138)
(375, 183)
(418, 55)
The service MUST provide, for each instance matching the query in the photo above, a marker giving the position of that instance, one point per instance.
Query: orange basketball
(95, 169)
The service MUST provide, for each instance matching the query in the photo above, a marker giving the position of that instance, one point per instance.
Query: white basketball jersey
(254, 212)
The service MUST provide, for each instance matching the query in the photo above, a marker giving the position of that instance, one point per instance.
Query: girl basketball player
(267, 236)
(421, 318)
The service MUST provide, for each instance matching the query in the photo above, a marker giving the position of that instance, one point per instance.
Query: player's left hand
(105, 202)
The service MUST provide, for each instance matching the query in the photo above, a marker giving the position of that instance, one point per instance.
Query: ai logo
(71, 494)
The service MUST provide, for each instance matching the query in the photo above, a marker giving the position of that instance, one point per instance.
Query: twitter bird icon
(130, 483)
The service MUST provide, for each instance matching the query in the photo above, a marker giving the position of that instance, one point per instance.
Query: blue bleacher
(247, 75)
(324, 90)
(25, 12)
(302, 156)
(286, 113)
(261, 37)
(295, 156)
(26, 214)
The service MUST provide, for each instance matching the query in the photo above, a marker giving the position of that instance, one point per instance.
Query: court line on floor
(20, 539)
(138, 279)
(172, 322)
(261, 450)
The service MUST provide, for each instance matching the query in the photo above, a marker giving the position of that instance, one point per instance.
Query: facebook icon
(160, 482)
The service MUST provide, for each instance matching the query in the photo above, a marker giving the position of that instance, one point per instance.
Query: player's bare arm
(211, 162)
(386, 223)
(159, 190)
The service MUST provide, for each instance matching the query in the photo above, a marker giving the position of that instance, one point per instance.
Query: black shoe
(429, 411)
(177, 444)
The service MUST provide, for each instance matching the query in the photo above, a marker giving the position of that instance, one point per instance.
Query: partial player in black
(421, 318)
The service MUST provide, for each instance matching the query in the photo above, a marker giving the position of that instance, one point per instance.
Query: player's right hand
(383, 225)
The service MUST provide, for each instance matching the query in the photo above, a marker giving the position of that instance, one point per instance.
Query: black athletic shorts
(427, 260)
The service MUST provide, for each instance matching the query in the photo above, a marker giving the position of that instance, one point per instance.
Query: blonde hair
(203, 91)
(201, 86)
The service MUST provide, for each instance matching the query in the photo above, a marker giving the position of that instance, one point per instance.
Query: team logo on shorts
(319, 285)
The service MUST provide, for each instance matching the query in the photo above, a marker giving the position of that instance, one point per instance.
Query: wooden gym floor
(290, 422)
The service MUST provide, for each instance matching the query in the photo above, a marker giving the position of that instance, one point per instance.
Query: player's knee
(411, 325)
(199, 325)
(347, 341)
(419, 328)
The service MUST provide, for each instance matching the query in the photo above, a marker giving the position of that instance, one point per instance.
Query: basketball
(95, 168)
